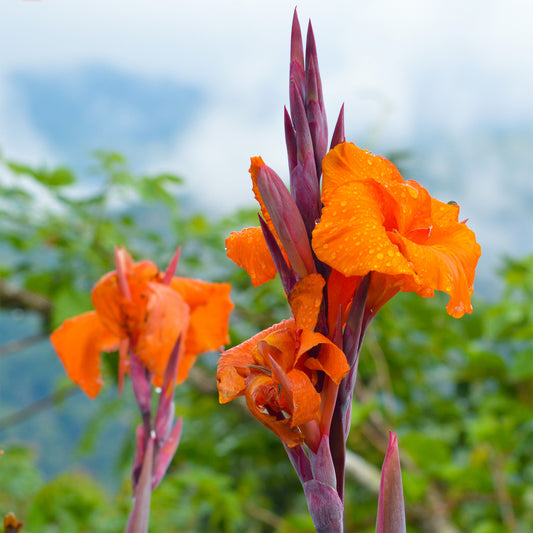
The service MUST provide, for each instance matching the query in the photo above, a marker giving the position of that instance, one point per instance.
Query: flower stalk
(159, 323)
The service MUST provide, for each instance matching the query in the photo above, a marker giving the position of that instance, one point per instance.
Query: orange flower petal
(230, 384)
(341, 290)
(305, 300)
(281, 344)
(346, 163)
(167, 316)
(239, 359)
(305, 400)
(351, 236)
(446, 262)
(210, 307)
(248, 249)
(330, 360)
(119, 315)
(79, 342)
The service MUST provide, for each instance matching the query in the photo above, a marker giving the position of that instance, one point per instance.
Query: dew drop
(412, 190)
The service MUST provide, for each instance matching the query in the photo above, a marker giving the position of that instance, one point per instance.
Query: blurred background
(133, 122)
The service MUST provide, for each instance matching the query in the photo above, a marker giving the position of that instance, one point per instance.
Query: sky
(196, 88)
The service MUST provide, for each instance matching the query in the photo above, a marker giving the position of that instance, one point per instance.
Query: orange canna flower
(277, 369)
(136, 309)
(375, 221)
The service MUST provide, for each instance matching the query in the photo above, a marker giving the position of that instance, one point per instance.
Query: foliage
(457, 392)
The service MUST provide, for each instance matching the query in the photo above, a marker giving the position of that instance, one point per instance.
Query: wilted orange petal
(305, 300)
(79, 342)
(167, 316)
(330, 360)
(249, 250)
(346, 163)
(258, 390)
(351, 235)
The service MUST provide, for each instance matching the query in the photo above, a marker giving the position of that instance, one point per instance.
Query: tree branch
(17, 298)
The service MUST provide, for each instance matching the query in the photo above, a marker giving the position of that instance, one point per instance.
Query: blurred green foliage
(457, 392)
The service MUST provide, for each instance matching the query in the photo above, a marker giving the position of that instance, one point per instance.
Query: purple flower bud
(304, 141)
(297, 54)
(311, 56)
(391, 512)
(290, 141)
(316, 116)
(287, 221)
(171, 269)
(338, 133)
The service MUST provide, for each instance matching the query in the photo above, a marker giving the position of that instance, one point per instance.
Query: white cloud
(407, 71)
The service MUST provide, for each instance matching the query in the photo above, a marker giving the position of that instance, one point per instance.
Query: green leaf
(68, 302)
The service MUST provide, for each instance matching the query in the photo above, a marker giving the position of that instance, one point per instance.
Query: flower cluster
(349, 235)
(140, 310)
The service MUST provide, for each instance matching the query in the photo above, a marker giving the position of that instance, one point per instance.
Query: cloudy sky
(197, 88)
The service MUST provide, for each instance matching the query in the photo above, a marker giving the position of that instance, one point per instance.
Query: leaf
(68, 302)
(59, 177)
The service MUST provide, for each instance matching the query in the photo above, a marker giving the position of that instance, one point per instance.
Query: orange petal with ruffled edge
(305, 300)
(238, 360)
(259, 391)
(249, 250)
(281, 345)
(446, 262)
(304, 399)
(210, 307)
(79, 341)
(167, 317)
(331, 359)
(347, 163)
(351, 236)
